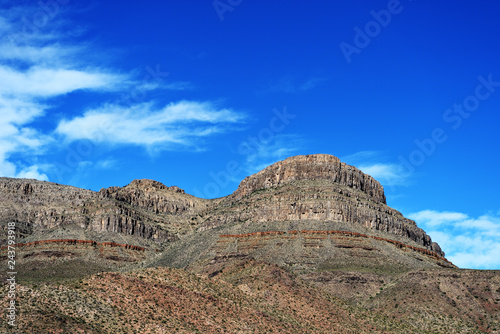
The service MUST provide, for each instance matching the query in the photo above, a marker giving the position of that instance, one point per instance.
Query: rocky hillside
(317, 188)
(156, 197)
(242, 295)
(303, 193)
(144, 209)
(313, 187)
(309, 213)
(307, 245)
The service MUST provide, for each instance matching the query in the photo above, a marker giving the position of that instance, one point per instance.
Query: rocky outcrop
(316, 188)
(307, 188)
(32, 203)
(155, 196)
(128, 221)
(312, 167)
(37, 205)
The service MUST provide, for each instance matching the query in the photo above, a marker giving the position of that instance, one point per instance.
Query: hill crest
(307, 192)
(312, 167)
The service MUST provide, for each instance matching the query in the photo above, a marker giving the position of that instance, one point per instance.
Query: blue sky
(201, 94)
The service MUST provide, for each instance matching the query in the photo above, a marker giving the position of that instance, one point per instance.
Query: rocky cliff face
(316, 188)
(308, 190)
(156, 197)
(33, 203)
(145, 209)
(316, 167)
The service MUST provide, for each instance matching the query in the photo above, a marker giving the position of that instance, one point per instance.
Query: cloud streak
(435, 218)
(40, 82)
(372, 163)
(35, 67)
(468, 242)
(290, 84)
(146, 125)
(38, 66)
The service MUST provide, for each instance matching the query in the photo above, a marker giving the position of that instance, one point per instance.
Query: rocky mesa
(317, 188)
(314, 167)
(308, 192)
(307, 245)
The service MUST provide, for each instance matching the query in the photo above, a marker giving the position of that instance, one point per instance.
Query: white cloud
(16, 137)
(371, 163)
(15, 49)
(35, 66)
(469, 250)
(489, 223)
(9, 169)
(18, 111)
(39, 82)
(434, 218)
(386, 174)
(147, 125)
(32, 172)
(468, 242)
(40, 63)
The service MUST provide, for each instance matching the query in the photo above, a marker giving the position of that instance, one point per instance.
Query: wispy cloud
(433, 218)
(32, 172)
(280, 147)
(468, 242)
(39, 65)
(387, 174)
(39, 82)
(147, 125)
(35, 67)
(179, 85)
(374, 163)
(106, 164)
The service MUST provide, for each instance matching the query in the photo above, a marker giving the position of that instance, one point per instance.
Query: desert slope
(307, 245)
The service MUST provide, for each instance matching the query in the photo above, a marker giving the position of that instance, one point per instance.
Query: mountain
(307, 245)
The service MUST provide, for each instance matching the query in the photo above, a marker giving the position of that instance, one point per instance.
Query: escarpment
(307, 245)
(318, 167)
(156, 197)
(316, 188)
(38, 206)
(311, 192)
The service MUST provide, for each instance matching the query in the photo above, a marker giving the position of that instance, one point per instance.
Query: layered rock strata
(317, 167)
(72, 242)
(316, 239)
(316, 188)
(308, 189)
(145, 209)
(155, 197)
